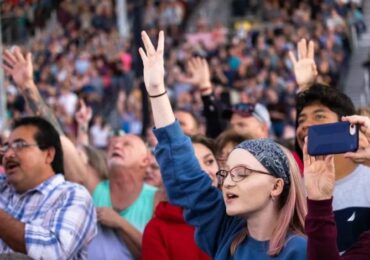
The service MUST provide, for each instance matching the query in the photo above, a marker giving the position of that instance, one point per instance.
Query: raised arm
(154, 80)
(319, 174)
(304, 66)
(319, 178)
(20, 68)
(201, 79)
(186, 184)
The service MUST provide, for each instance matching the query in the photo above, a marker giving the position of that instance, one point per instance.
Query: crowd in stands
(22, 18)
(84, 178)
(83, 56)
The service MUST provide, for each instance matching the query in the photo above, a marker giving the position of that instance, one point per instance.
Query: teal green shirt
(138, 214)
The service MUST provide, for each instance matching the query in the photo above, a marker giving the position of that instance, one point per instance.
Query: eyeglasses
(237, 174)
(16, 146)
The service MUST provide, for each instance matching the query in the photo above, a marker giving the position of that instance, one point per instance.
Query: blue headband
(270, 155)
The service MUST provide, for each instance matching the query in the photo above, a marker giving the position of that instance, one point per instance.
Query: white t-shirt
(69, 102)
(99, 136)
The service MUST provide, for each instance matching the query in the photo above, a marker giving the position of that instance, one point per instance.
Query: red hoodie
(167, 236)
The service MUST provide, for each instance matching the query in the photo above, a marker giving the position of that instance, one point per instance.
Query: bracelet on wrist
(205, 89)
(159, 95)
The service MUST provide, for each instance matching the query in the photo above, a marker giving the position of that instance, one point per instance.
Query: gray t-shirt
(351, 205)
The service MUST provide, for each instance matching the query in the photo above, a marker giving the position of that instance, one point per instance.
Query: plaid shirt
(59, 217)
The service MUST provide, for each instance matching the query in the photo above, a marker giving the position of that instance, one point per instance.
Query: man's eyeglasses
(237, 174)
(16, 146)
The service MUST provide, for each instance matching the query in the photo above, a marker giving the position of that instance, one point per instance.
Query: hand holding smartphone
(334, 138)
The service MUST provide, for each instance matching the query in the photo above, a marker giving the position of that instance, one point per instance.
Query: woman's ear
(278, 188)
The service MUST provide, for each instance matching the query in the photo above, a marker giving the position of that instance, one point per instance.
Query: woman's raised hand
(153, 64)
(154, 80)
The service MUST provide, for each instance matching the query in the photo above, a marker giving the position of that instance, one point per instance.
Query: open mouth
(9, 166)
(116, 154)
(231, 196)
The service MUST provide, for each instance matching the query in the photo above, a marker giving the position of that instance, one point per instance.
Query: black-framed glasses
(237, 174)
(16, 146)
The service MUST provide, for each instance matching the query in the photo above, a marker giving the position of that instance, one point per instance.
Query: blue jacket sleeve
(189, 187)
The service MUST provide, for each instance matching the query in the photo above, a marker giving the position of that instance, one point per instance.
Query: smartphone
(332, 138)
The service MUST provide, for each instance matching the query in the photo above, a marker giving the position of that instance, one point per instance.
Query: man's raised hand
(304, 67)
(18, 66)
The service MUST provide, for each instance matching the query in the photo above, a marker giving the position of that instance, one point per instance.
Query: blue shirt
(188, 187)
(59, 217)
(108, 244)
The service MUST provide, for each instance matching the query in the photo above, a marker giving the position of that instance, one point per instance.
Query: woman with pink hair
(259, 211)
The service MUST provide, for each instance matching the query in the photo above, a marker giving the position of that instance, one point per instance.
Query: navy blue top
(189, 187)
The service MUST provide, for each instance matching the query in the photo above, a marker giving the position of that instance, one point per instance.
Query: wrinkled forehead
(130, 139)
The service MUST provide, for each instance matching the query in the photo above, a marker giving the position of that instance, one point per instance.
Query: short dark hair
(45, 137)
(330, 97)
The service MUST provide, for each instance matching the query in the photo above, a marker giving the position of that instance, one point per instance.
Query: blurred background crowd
(79, 53)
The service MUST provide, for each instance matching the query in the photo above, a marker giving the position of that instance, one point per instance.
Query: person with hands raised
(212, 108)
(94, 159)
(20, 68)
(321, 104)
(304, 67)
(200, 75)
(131, 199)
(320, 227)
(260, 187)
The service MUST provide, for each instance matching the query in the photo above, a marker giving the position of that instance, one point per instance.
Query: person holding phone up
(260, 209)
(319, 104)
(319, 175)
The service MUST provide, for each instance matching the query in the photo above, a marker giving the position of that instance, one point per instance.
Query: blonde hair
(291, 213)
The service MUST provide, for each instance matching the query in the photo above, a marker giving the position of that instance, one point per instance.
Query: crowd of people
(83, 179)
(83, 56)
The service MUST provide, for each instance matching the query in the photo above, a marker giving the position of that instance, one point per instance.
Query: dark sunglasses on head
(245, 108)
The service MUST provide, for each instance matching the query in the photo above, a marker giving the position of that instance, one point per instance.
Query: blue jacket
(189, 187)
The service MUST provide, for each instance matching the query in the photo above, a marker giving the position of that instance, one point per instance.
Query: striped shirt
(59, 217)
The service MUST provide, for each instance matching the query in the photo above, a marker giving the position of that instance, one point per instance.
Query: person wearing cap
(249, 119)
(244, 118)
(259, 211)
